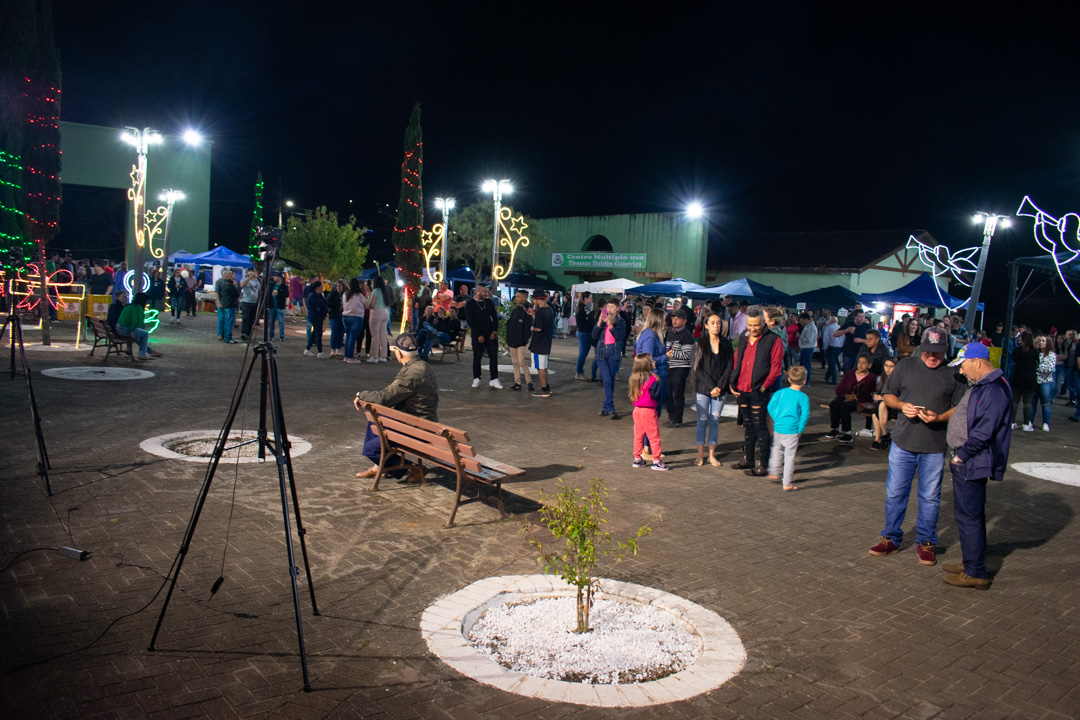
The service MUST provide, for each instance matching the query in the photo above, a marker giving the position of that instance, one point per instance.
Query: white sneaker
(373, 360)
(1028, 427)
(865, 433)
(322, 355)
(496, 384)
(1014, 426)
(476, 382)
(308, 353)
(1046, 427)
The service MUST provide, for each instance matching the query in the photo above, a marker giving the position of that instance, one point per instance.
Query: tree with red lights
(410, 212)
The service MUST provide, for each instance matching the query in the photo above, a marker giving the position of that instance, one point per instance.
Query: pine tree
(410, 212)
(16, 244)
(256, 218)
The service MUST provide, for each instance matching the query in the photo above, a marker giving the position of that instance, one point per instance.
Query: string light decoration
(512, 235)
(941, 260)
(148, 223)
(256, 219)
(16, 246)
(1059, 237)
(432, 242)
(127, 283)
(42, 160)
(409, 222)
(404, 310)
(60, 292)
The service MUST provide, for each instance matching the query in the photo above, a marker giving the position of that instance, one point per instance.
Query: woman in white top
(352, 314)
(378, 317)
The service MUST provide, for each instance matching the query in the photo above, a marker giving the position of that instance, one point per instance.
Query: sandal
(715, 463)
(698, 462)
(369, 473)
(789, 488)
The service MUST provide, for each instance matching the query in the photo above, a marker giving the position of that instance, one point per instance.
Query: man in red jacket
(759, 360)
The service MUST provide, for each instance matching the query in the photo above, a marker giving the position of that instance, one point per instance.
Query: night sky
(782, 117)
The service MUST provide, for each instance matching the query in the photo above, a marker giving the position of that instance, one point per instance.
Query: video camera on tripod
(270, 240)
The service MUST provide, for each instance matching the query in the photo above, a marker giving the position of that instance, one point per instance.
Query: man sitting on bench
(415, 391)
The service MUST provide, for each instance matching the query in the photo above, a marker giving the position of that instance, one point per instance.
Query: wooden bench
(407, 435)
(454, 347)
(103, 335)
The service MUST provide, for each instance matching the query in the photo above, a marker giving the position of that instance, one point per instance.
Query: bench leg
(379, 472)
(457, 500)
(499, 499)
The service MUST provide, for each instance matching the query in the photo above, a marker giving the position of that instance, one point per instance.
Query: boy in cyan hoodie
(790, 410)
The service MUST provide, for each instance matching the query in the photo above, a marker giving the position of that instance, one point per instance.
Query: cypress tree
(256, 219)
(410, 211)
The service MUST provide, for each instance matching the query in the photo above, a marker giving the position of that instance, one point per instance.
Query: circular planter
(1064, 473)
(162, 446)
(97, 373)
(445, 627)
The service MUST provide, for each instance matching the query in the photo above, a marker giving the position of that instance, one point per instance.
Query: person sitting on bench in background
(415, 391)
(115, 309)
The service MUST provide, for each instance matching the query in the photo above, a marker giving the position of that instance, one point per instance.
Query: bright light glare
(444, 203)
(193, 138)
(695, 210)
(129, 138)
(488, 186)
(171, 196)
(289, 203)
(401, 283)
(977, 218)
(154, 137)
(506, 187)
(1006, 222)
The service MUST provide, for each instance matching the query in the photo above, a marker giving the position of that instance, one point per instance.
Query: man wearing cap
(680, 350)
(925, 391)
(415, 390)
(543, 332)
(979, 434)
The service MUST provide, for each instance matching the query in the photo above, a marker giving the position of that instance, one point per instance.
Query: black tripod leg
(215, 457)
(43, 465)
(284, 452)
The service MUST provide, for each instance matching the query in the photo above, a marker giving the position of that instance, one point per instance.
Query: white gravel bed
(204, 447)
(628, 643)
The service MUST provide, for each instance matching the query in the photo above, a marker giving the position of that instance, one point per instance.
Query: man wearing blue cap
(979, 434)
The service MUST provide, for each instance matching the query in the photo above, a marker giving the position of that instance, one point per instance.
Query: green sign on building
(632, 261)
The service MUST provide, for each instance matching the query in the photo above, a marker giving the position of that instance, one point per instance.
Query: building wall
(672, 243)
(96, 156)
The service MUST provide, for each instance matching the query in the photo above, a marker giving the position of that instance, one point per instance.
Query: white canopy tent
(605, 287)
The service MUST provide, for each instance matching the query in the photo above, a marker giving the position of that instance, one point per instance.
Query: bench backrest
(415, 434)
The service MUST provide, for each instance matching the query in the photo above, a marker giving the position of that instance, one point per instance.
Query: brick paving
(830, 632)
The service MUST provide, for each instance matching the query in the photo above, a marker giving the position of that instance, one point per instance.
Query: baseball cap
(933, 340)
(681, 312)
(405, 342)
(540, 294)
(971, 351)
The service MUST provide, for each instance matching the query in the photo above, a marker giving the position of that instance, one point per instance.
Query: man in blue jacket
(979, 434)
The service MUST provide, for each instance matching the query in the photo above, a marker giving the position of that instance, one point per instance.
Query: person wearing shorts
(543, 331)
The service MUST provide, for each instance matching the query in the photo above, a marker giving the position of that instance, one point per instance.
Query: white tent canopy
(605, 287)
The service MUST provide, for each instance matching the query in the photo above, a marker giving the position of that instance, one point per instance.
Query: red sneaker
(885, 547)
(926, 554)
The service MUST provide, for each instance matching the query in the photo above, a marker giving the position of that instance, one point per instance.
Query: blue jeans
(354, 325)
(277, 317)
(584, 342)
(1044, 394)
(226, 318)
(177, 305)
(969, 511)
(849, 362)
(337, 333)
(142, 338)
(832, 365)
(708, 417)
(805, 356)
(902, 467)
(427, 337)
(608, 366)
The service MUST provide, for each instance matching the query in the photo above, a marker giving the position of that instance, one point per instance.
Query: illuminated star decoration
(1057, 242)
(513, 237)
(147, 222)
(431, 241)
(941, 260)
(33, 297)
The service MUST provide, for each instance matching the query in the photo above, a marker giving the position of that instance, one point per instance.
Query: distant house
(864, 261)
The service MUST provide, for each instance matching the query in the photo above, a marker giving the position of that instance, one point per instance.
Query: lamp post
(496, 188)
(141, 140)
(446, 205)
(990, 223)
(289, 204)
(169, 197)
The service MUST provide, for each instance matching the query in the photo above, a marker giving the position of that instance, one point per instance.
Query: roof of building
(836, 251)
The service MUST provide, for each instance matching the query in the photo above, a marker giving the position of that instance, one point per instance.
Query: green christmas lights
(256, 219)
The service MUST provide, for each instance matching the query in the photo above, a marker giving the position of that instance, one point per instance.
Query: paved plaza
(829, 631)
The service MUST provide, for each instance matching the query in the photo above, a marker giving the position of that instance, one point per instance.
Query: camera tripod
(278, 446)
(15, 335)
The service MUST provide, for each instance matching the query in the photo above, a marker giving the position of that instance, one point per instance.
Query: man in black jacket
(483, 321)
(759, 360)
(680, 349)
(518, 334)
(586, 320)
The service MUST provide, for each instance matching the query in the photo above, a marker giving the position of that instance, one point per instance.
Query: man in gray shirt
(925, 391)
(249, 302)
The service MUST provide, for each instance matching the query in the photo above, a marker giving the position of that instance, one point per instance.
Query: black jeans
(757, 443)
(491, 347)
(247, 322)
(676, 401)
(316, 334)
(840, 411)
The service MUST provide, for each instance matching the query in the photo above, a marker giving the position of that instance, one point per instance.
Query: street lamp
(446, 205)
(169, 197)
(990, 223)
(288, 204)
(695, 211)
(496, 188)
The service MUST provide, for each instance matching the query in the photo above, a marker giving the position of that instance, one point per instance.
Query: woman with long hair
(1023, 378)
(883, 413)
(379, 305)
(352, 317)
(1044, 378)
(334, 302)
(907, 341)
(712, 364)
(650, 341)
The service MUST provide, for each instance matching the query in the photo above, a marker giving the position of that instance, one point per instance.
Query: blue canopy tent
(831, 298)
(532, 282)
(741, 288)
(461, 275)
(923, 291)
(180, 256)
(220, 256)
(675, 287)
